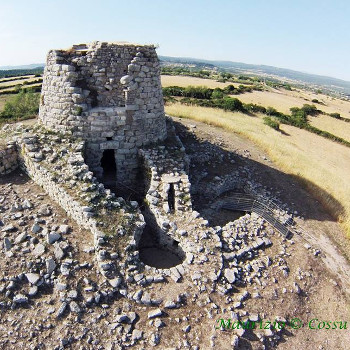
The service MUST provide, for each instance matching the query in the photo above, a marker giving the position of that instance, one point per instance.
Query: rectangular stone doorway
(109, 168)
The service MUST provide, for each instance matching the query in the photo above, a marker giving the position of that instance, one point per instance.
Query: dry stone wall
(55, 162)
(109, 95)
(168, 167)
(67, 180)
(8, 158)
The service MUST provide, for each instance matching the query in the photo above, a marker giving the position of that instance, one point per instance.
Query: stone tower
(108, 94)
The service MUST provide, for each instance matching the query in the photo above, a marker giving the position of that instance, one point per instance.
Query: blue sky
(310, 36)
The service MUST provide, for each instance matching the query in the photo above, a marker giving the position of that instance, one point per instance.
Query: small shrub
(217, 93)
(200, 92)
(274, 124)
(231, 104)
(254, 108)
(310, 109)
(298, 117)
(79, 110)
(335, 115)
(22, 106)
(229, 89)
(173, 91)
(169, 99)
(271, 111)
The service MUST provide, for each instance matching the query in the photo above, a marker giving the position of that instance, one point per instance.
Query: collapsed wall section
(55, 162)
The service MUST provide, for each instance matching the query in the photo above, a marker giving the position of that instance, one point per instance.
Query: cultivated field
(5, 82)
(280, 99)
(275, 98)
(13, 88)
(8, 84)
(329, 104)
(320, 161)
(174, 80)
(334, 126)
(283, 100)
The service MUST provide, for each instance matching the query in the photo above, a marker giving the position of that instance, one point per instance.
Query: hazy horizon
(38, 64)
(307, 37)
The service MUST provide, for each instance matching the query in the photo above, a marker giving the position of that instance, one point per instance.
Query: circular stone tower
(108, 94)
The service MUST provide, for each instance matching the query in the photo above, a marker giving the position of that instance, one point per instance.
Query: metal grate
(264, 208)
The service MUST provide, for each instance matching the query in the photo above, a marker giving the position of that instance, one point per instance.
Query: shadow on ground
(210, 159)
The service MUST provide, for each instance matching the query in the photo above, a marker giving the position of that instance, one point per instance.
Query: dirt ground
(321, 276)
(327, 291)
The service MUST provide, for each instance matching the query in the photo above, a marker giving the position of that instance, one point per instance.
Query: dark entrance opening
(156, 248)
(224, 216)
(171, 198)
(109, 177)
(155, 254)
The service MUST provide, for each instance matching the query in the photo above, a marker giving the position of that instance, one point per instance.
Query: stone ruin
(109, 95)
(101, 122)
(101, 109)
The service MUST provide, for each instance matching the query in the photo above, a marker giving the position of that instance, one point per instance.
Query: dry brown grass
(319, 161)
(283, 100)
(274, 98)
(29, 78)
(332, 125)
(175, 80)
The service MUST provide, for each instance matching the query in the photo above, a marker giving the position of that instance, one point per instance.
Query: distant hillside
(25, 66)
(15, 71)
(339, 85)
(333, 84)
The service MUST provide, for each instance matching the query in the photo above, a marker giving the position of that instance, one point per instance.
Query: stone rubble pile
(216, 259)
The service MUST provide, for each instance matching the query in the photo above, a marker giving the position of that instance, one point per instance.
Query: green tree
(271, 111)
(217, 93)
(23, 106)
(274, 124)
(310, 109)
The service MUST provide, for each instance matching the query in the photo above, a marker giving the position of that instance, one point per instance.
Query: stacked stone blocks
(109, 95)
(8, 158)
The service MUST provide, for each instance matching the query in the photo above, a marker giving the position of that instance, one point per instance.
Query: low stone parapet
(8, 158)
